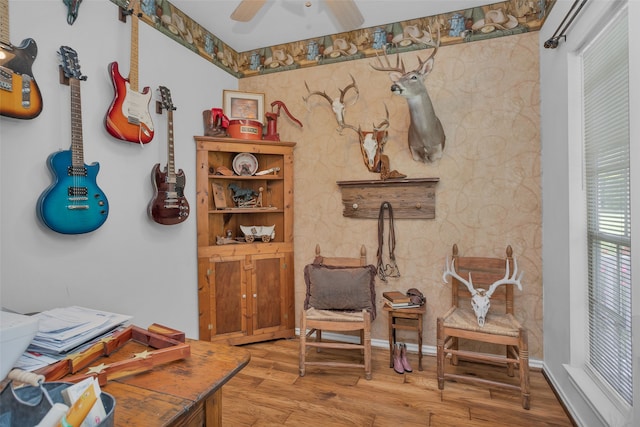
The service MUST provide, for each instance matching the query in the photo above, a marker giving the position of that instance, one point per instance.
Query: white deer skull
(480, 298)
(337, 104)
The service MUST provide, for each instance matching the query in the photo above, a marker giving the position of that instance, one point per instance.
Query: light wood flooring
(269, 392)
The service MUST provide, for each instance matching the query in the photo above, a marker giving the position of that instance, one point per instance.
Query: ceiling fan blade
(346, 13)
(247, 9)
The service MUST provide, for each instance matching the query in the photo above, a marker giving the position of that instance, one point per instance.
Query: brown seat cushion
(340, 288)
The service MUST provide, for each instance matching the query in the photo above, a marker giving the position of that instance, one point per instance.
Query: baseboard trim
(559, 395)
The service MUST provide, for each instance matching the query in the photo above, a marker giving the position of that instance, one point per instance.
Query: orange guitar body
(20, 96)
(23, 101)
(128, 116)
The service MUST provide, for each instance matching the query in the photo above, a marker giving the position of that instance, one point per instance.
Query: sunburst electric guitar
(73, 203)
(19, 93)
(128, 116)
(169, 205)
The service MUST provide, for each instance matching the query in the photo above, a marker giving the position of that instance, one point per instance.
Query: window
(605, 97)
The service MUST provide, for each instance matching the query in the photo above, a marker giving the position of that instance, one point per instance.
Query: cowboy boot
(397, 362)
(403, 358)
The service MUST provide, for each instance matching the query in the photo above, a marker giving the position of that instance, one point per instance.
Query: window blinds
(605, 65)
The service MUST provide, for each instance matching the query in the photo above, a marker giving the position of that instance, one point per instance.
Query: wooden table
(413, 316)
(186, 392)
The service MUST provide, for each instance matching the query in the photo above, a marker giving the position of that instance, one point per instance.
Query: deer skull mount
(337, 104)
(371, 142)
(481, 298)
(426, 136)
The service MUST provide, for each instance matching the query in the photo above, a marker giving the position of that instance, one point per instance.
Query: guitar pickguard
(20, 96)
(128, 116)
(136, 109)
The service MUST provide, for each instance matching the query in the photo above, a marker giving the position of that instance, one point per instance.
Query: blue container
(26, 406)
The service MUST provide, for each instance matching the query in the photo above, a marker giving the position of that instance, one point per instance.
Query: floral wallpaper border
(480, 23)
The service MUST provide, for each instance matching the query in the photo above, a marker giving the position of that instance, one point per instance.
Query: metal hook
(72, 10)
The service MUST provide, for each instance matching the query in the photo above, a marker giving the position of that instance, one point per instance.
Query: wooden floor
(269, 392)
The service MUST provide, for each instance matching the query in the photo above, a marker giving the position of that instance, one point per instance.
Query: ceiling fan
(346, 12)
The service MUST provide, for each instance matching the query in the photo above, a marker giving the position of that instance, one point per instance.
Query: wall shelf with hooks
(411, 198)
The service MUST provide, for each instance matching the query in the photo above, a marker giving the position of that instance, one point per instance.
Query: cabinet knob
(255, 295)
(354, 206)
(244, 296)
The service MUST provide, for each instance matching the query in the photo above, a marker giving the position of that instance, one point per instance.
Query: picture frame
(243, 105)
(219, 198)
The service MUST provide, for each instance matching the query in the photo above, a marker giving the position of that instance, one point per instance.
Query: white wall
(558, 148)
(131, 264)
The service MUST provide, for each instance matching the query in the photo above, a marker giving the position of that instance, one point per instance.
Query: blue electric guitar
(73, 203)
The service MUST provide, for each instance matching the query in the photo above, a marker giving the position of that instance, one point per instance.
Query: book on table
(396, 297)
(401, 305)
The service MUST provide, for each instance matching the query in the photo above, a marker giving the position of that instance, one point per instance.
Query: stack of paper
(64, 329)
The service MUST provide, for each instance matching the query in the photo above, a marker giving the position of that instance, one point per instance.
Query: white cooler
(16, 333)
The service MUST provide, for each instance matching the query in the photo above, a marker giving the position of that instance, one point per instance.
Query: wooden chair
(340, 297)
(500, 326)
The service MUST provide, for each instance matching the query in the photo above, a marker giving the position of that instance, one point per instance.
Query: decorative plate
(245, 164)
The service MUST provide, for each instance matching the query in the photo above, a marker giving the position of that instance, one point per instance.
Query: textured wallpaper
(486, 95)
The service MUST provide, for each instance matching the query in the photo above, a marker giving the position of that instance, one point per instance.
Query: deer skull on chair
(480, 298)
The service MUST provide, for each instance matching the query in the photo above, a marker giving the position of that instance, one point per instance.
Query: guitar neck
(4, 23)
(133, 67)
(77, 151)
(171, 167)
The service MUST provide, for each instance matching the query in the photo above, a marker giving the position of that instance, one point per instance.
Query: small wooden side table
(414, 317)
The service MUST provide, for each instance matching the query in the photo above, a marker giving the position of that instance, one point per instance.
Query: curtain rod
(552, 43)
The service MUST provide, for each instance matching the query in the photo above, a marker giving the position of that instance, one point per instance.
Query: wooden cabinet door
(269, 296)
(225, 298)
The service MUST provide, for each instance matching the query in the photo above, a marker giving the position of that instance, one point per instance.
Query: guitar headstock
(70, 64)
(165, 95)
(131, 8)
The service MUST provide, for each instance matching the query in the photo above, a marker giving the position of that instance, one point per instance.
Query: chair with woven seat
(340, 297)
(497, 327)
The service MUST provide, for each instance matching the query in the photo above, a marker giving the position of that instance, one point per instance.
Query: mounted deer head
(426, 136)
(480, 298)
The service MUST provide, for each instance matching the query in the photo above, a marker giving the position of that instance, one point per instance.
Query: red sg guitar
(169, 206)
(128, 116)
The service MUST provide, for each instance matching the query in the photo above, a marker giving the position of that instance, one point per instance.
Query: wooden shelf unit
(245, 290)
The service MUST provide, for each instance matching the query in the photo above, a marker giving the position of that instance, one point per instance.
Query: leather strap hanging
(390, 269)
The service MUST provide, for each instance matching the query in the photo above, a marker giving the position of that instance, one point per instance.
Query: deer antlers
(480, 297)
(399, 67)
(450, 271)
(507, 280)
(337, 104)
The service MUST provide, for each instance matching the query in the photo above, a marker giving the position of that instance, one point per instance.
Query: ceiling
(284, 21)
